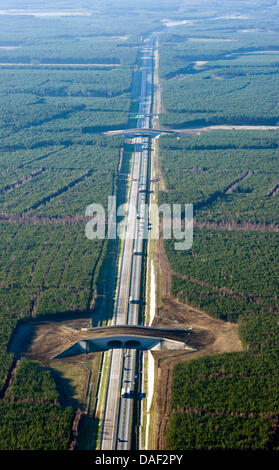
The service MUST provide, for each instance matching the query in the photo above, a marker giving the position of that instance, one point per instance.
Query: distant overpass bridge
(139, 132)
(138, 115)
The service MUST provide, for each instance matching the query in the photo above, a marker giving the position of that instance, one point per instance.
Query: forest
(243, 263)
(229, 176)
(225, 74)
(52, 167)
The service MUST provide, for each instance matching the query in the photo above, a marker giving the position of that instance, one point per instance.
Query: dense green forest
(241, 275)
(34, 426)
(34, 383)
(219, 75)
(229, 176)
(228, 383)
(31, 415)
(64, 80)
(53, 164)
(68, 73)
(225, 74)
(207, 432)
(225, 402)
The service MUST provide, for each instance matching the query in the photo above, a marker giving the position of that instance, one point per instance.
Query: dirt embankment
(44, 340)
(227, 127)
(212, 336)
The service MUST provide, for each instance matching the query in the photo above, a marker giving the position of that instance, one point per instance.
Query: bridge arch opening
(132, 344)
(115, 344)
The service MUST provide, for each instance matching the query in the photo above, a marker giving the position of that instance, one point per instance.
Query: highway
(118, 417)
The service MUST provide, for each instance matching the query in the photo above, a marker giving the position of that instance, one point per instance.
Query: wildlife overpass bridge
(127, 337)
(139, 132)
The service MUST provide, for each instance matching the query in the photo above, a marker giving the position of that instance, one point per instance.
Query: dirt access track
(219, 337)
